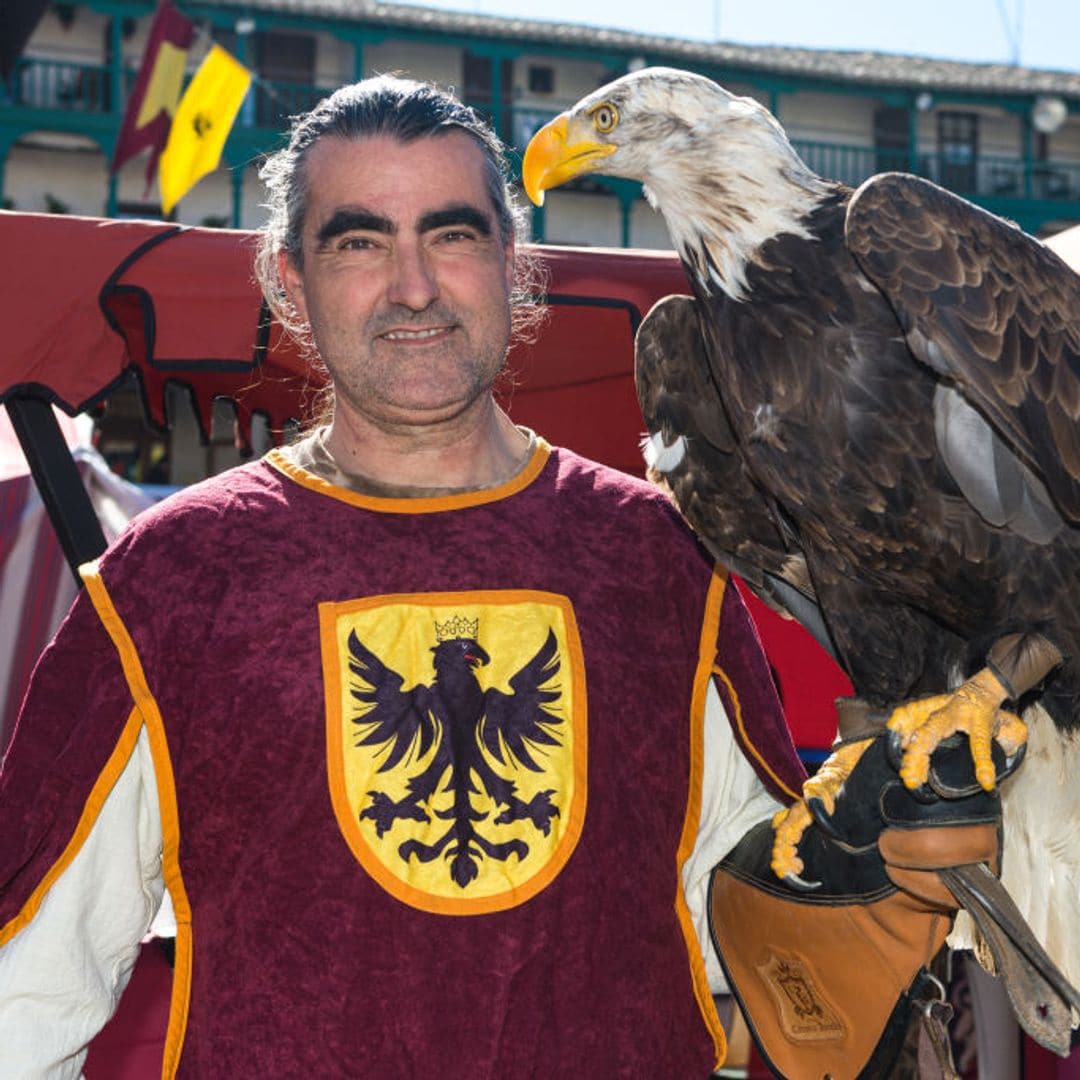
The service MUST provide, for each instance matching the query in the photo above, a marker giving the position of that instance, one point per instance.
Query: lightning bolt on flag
(153, 101)
(202, 123)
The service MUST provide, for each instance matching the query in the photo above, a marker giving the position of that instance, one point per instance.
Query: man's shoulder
(576, 468)
(205, 512)
(581, 474)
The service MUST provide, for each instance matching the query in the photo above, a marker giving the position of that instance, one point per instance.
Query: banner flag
(153, 100)
(201, 125)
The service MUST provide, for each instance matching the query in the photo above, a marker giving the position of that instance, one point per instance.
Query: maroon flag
(153, 101)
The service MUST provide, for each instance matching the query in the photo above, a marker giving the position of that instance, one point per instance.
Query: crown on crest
(457, 627)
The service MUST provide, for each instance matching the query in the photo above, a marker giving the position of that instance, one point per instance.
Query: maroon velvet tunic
(428, 770)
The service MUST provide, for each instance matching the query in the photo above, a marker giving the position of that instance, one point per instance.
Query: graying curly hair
(407, 110)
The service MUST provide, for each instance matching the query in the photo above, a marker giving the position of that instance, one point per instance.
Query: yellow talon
(1012, 733)
(973, 708)
(826, 783)
(790, 824)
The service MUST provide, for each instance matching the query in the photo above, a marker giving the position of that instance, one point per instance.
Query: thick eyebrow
(458, 214)
(353, 218)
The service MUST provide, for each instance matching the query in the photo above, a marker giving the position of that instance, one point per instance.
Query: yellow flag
(201, 125)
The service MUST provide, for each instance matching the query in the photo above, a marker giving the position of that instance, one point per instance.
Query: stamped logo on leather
(805, 1014)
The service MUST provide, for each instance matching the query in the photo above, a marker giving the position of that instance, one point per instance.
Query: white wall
(571, 217)
(441, 64)
(82, 43)
(831, 118)
(334, 63)
(80, 181)
(77, 177)
(999, 133)
(647, 228)
(1065, 143)
(573, 80)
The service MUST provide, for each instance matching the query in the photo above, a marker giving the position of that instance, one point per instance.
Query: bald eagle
(870, 409)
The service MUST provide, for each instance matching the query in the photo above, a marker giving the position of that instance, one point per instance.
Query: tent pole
(66, 500)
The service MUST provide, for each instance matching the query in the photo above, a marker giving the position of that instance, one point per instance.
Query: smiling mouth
(416, 335)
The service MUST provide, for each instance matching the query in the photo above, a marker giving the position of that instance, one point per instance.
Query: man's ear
(293, 280)
(511, 259)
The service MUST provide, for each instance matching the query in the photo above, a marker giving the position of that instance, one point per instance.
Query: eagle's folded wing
(988, 307)
(703, 466)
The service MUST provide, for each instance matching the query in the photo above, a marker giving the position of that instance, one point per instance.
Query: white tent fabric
(36, 586)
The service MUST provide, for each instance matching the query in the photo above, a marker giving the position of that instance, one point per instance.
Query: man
(431, 731)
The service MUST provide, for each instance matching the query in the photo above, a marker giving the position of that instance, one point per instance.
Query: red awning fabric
(90, 299)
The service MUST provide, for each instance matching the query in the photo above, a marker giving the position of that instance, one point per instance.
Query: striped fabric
(36, 589)
(36, 586)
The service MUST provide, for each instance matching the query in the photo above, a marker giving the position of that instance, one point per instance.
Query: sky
(1036, 33)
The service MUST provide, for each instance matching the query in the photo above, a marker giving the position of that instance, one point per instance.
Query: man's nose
(413, 282)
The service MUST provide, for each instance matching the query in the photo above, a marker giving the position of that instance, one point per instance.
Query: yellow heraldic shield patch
(456, 742)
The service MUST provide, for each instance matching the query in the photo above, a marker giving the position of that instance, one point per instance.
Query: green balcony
(1032, 193)
(60, 86)
(982, 176)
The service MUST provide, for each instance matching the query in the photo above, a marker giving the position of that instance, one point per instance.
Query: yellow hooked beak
(557, 153)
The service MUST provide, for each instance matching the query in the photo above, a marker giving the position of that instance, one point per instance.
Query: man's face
(406, 279)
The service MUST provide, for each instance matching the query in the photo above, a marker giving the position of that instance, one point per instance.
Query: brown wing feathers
(988, 308)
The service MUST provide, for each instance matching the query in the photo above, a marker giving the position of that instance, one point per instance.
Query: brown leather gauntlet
(1021, 661)
(827, 977)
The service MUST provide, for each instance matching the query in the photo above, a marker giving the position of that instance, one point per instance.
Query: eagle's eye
(605, 117)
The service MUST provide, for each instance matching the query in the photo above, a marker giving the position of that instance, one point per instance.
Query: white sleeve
(62, 975)
(733, 800)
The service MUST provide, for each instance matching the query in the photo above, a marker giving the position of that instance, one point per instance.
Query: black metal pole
(66, 500)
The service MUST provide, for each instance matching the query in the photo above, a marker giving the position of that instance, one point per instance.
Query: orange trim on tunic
(146, 707)
(747, 741)
(118, 759)
(437, 504)
(692, 822)
(329, 614)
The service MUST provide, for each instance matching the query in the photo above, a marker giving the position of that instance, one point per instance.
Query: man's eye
(355, 243)
(453, 235)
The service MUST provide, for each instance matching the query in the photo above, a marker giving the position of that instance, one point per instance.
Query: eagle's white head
(718, 167)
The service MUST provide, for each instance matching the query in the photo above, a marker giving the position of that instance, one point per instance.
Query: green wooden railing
(271, 104)
(57, 84)
(986, 175)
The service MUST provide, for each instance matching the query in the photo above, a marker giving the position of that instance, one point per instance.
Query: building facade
(1006, 137)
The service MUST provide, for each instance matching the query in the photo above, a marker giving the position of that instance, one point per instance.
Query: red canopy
(88, 299)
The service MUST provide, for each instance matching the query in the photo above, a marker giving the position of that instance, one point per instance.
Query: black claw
(894, 754)
(1013, 763)
(801, 884)
(821, 818)
(894, 749)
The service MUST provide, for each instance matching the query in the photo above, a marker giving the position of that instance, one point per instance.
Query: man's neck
(478, 450)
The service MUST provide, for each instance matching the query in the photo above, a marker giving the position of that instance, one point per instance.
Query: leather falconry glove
(827, 978)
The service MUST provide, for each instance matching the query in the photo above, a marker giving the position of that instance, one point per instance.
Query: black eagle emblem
(460, 719)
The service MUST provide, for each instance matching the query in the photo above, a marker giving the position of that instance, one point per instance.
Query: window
(287, 61)
(478, 76)
(958, 150)
(541, 79)
(890, 139)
